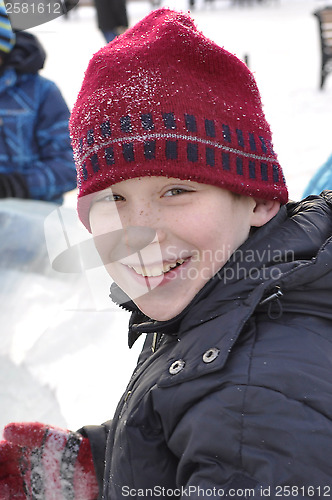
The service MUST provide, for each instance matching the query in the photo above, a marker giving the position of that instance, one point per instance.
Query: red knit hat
(162, 99)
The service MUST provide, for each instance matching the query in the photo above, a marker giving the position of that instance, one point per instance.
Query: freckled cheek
(114, 272)
(103, 221)
(105, 247)
(215, 244)
(99, 220)
(107, 236)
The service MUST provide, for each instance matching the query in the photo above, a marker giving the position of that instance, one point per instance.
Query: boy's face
(162, 239)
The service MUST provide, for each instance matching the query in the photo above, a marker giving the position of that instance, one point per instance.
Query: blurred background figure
(36, 160)
(112, 17)
(322, 179)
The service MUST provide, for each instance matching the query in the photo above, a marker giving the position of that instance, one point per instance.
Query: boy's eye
(110, 198)
(176, 191)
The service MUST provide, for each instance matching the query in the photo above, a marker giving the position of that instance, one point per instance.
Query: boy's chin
(159, 312)
(159, 317)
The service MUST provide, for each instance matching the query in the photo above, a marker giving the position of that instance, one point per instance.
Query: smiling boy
(229, 284)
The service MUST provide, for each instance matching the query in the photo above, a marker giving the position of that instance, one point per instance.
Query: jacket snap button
(211, 354)
(176, 367)
(127, 396)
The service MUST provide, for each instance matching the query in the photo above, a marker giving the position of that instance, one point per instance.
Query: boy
(186, 201)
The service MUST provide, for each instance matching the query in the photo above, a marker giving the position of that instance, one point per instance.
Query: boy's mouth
(157, 270)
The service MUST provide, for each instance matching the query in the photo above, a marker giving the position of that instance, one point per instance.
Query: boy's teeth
(149, 272)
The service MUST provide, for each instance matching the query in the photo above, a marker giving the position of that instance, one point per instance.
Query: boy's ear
(264, 211)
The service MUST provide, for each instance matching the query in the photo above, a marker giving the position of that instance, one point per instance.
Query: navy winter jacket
(36, 159)
(233, 398)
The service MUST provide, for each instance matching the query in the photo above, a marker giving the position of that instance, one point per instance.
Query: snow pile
(64, 354)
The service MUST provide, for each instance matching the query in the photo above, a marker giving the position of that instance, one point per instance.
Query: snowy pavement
(67, 365)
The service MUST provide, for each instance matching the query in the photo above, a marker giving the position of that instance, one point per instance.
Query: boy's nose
(122, 243)
(141, 213)
(135, 238)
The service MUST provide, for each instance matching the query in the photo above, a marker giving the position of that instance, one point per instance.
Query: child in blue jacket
(36, 159)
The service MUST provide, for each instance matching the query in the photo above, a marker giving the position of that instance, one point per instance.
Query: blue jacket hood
(28, 55)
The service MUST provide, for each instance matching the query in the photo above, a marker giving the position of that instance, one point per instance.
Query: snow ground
(66, 363)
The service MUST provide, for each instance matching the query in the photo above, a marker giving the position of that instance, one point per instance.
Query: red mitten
(41, 462)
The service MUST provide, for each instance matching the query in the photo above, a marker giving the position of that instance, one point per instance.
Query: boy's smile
(161, 239)
(156, 269)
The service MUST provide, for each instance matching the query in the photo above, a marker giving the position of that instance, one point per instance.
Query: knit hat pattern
(164, 100)
(7, 37)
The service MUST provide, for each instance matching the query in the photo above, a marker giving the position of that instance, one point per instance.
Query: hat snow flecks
(162, 99)
(7, 37)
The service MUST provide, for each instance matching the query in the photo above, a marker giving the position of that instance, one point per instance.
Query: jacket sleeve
(13, 185)
(53, 172)
(97, 435)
